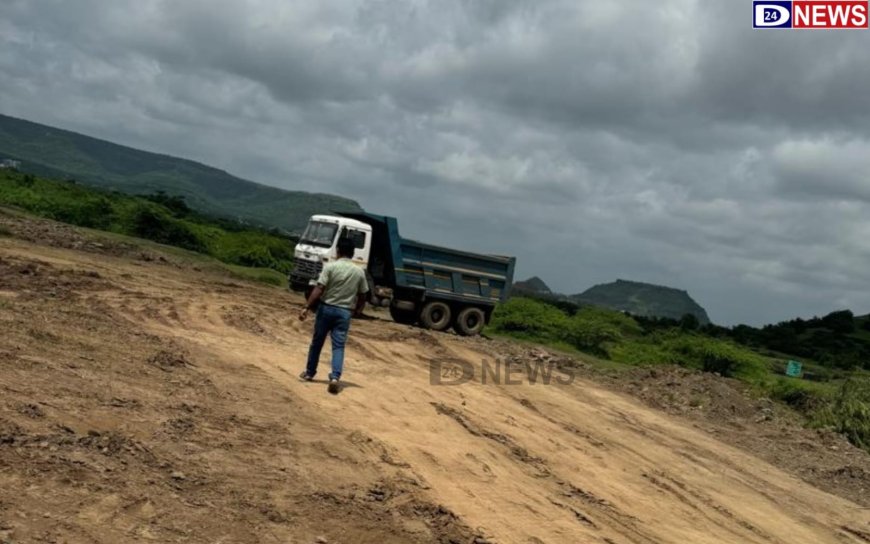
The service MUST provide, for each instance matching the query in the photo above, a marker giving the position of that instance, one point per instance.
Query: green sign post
(793, 369)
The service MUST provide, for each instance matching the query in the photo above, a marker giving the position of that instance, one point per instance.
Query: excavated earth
(149, 397)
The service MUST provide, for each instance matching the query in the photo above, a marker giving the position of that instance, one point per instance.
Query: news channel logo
(818, 14)
(771, 14)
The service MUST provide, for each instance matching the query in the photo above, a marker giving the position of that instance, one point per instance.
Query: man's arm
(360, 305)
(317, 292)
(312, 301)
(361, 295)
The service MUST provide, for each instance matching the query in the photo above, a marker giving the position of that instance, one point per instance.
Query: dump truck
(434, 287)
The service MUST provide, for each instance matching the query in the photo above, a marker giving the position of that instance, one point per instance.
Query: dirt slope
(148, 401)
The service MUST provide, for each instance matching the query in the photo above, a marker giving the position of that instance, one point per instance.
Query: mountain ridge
(643, 299)
(637, 298)
(533, 285)
(56, 152)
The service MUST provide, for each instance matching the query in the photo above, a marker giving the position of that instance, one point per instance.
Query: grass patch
(157, 217)
(804, 396)
(618, 337)
(261, 275)
(848, 412)
(836, 399)
(693, 350)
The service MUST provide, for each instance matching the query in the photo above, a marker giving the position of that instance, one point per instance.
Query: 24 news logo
(810, 14)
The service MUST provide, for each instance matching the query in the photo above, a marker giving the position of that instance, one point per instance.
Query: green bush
(159, 217)
(590, 329)
(155, 224)
(595, 330)
(530, 319)
(849, 412)
(692, 350)
(642, 352)
(804, 396)
(720, 356)
(256, 249)
(91, 212)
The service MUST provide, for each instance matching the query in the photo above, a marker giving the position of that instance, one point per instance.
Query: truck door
(361, 243)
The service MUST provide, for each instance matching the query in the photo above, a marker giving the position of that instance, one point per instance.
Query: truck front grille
(304, 268)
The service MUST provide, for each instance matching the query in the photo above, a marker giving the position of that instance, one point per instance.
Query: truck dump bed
(439, 271)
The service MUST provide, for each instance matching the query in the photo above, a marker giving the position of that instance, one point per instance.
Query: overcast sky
(664, 141)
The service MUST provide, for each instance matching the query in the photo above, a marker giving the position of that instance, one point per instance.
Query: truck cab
(318, 245)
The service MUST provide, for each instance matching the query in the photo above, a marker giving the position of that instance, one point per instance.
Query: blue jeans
(334, 321)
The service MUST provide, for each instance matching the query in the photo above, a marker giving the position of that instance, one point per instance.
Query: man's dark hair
(345, 248)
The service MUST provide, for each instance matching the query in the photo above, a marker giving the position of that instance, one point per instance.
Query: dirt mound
(243, 319)
(169, 360)
(112, 433)
(151, 403)
(32, 276)
(52, 233)
(729, 410)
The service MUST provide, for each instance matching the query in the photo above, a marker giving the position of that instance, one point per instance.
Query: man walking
(341, 291)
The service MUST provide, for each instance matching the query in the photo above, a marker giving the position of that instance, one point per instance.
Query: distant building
(9, 163)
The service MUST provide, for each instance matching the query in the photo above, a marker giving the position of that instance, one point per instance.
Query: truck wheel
(403, 317)
(435, 315)
(372, 298)
(470, 321)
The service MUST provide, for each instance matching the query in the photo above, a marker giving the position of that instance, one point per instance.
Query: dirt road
(147, 400)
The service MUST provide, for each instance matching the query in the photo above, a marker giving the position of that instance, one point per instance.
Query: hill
(57, 153)
(157, 217)
(643, 299)
(837, 340)
(533, 285)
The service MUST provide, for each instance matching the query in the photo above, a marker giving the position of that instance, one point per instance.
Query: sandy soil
(143, 399)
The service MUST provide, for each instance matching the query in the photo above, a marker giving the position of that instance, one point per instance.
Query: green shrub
(256, 249)
(92, 212)
(692, 350)
(529, 319)
(849, 412)
(804, 396)
(595, 330)
(713, 355)
(590, 329)
(642, 352)
(155, 224)
(175, 204)
(689, 322)
(159, 217)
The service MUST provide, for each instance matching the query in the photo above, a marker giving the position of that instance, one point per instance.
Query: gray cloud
(664, 142)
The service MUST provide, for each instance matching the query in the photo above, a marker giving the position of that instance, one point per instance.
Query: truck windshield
(319, 233)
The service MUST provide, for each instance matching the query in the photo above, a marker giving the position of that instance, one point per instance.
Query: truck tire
(470, 321)
(436, 315)
(373, 299)
(403, 317)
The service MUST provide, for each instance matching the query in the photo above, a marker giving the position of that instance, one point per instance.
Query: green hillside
(643, 299)
(57, 153)
(835, 398)
(158, 217)
(837, 340)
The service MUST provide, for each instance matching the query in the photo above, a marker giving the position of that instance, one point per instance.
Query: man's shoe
(333, 386)
(305, 376)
